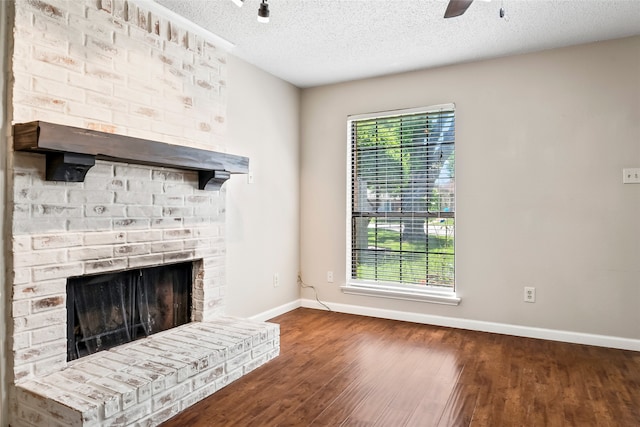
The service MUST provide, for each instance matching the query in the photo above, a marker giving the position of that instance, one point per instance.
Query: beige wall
(541, 143)
(263, 217)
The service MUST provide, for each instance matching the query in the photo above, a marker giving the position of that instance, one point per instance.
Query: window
(402, 204)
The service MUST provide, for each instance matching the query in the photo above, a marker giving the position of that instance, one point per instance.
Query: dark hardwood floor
(344, 370)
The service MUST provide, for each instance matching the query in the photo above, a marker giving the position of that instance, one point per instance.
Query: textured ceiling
(316, 42)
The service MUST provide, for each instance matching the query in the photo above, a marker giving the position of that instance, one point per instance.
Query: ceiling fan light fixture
(263, 12)
(238, 3)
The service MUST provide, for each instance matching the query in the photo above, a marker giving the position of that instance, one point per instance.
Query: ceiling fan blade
(457, 8)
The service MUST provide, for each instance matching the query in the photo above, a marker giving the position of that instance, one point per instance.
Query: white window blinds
(403, 197)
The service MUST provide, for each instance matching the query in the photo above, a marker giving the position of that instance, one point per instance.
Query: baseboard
(274, 312)
(477, 325)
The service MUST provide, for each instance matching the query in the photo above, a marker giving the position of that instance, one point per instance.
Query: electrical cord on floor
(304, 285)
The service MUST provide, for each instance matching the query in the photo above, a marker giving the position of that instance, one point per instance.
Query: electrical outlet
(529, 294)
(276, 280)
(330, 276)
(631, 176)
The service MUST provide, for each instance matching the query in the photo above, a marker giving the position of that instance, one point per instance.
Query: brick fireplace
(117, 67)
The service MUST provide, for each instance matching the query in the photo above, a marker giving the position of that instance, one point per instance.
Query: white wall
(541, 143)
(263, 217)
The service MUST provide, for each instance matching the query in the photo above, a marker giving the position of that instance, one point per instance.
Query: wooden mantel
(72, 151)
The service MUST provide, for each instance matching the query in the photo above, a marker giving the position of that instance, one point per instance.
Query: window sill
(422, 295)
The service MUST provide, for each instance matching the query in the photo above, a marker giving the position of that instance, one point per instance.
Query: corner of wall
(5, 39)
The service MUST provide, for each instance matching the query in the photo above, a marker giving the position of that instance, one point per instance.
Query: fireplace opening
(107, 310)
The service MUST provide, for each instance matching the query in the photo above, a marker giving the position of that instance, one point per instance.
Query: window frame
(402, 291)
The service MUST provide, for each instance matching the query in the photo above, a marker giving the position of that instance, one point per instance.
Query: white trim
(433, 296)
(274, 312)
(391, 113)
(220, 42)
(478, 325)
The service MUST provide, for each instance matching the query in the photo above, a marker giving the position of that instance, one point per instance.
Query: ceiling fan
(457, 7)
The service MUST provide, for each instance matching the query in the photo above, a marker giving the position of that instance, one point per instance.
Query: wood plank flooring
(344, 370)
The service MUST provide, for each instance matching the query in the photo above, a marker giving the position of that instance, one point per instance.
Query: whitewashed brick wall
(112, 66)
(112, 221)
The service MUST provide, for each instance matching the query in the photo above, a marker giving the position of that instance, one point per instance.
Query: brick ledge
(150, 380)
